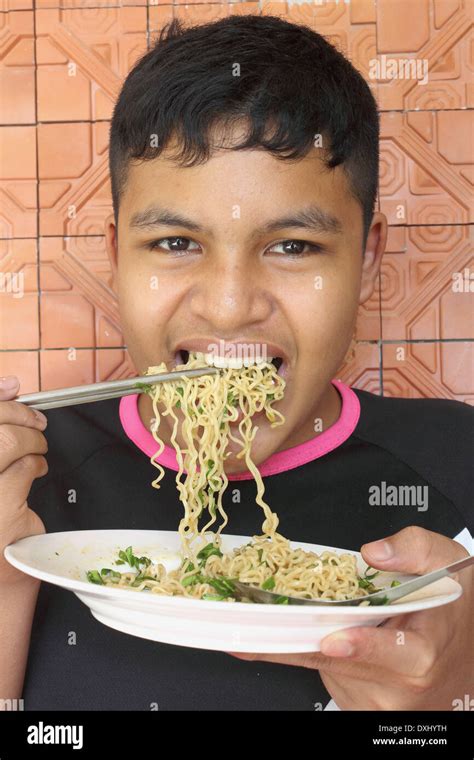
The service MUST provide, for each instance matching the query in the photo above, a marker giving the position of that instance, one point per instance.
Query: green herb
(208, 551)
(224, 586)
(395, 583)
(142, 577)
(191, 580)
(269, 584)
(214, 597)
(383, 600)
(127, 555)
(144, 387)
(281, 600)
(94, 577)
(373, 574)
(107, 571)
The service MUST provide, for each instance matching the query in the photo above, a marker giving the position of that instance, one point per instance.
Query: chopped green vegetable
(214, 597)
(395, 583)
(208, 551)
(145, 387)
(107, 571)
(223, 586)
(127, 555)
(191, 580)
(269, 584)
(377, 572)
(94, 577)
(281, 600)
(180, 390)
(383, 600)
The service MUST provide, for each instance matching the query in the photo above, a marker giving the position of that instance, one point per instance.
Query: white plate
(64, 558)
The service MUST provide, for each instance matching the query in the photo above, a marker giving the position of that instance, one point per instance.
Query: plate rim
(88, 588)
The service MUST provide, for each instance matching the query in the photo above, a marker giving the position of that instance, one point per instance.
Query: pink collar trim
(281, 461)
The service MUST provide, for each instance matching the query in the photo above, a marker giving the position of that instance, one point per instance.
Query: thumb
(9, 387)
(413, 550)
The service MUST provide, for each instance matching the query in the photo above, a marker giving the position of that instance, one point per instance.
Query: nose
(230, 294)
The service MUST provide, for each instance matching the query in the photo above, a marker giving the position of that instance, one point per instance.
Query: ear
(374, 249)
(111, 244)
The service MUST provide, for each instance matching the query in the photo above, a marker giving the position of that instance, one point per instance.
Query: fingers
(361, 652)
(15, 482)
(17, 442)
(9, 387)
(413, 550)
(14, 413)
(405, 653)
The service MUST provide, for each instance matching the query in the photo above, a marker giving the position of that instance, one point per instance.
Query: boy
(244, 163)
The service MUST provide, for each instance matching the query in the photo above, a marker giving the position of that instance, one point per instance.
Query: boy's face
(228, 279)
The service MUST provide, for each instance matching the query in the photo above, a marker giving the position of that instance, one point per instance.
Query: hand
(22, 446)
(419, 661)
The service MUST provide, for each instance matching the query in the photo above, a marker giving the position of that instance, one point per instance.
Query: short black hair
(292, 85)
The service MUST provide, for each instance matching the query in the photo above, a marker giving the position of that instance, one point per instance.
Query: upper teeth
(230, 362)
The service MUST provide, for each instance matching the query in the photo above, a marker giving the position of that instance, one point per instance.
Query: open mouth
(182, 357)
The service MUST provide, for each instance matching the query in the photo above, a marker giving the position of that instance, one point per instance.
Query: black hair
(292, 85)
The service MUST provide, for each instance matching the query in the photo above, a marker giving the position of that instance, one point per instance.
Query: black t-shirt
(323, 492)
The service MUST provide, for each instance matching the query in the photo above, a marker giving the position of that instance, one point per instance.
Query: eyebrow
(311, 218)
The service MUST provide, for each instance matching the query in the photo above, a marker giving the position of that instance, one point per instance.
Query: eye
(176, 245)
(296, 248)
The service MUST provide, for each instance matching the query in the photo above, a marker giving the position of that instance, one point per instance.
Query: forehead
(252, 183)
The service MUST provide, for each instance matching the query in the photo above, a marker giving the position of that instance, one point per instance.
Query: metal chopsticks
(84, 394)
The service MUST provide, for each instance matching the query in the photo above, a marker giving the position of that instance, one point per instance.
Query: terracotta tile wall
(61, 65)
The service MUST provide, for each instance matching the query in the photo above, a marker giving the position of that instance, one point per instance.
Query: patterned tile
(17, 68)
(425, 64)
(78, 307)
(427, 277)
(82, 56)
(23, 364)
(440, 369)
(15, 5)
(62, 369)
(19, 326)
(74, 190)
(89, 4)
(18, 182)
(426, 167)
(361, 367)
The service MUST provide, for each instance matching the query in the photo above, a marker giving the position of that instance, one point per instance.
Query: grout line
(38, 275)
